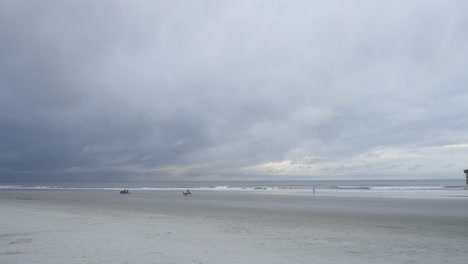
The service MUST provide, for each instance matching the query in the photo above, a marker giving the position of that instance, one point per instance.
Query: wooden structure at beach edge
(466, 175)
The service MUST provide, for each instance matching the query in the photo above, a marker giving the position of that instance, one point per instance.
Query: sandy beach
(88, 226)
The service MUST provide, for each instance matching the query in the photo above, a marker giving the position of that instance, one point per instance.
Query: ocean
(441, 184)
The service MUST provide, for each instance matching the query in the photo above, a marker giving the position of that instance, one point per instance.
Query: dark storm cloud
(106, 90)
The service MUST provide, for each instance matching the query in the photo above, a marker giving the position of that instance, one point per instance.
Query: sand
(84, 226)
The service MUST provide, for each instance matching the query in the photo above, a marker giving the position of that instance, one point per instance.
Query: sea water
(284, 186)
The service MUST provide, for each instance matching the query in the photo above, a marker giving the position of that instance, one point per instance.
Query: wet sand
(86, 226)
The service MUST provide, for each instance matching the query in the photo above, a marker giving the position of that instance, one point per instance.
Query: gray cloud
(149, 90)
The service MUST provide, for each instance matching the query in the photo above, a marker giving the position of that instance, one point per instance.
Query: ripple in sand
(21, 241)
(10, 253)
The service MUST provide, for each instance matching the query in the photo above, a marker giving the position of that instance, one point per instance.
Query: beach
(103, 226)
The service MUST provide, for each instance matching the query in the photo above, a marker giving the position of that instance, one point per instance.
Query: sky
(115, 90)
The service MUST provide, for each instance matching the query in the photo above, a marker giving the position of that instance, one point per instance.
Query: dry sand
(53, 226)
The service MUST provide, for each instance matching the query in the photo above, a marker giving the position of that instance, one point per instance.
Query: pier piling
(466, 175)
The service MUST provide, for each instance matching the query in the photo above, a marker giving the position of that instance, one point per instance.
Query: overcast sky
(233, 90)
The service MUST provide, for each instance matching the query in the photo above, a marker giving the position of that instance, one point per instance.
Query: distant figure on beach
(188, 193)
(125, 192)
(313, 189)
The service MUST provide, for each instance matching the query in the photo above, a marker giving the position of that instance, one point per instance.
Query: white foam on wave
(10, 186)
(409, 188)
(27, 187)
(209, 188)
(279, 189)
(353, 187)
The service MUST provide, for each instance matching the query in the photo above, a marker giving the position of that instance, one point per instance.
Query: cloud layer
(235, 90)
